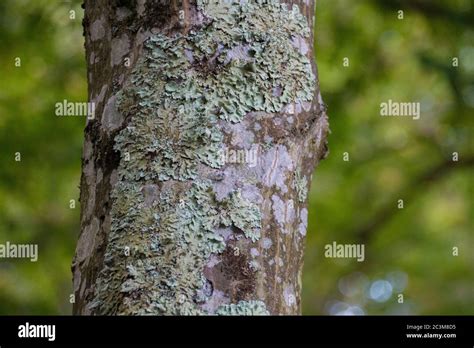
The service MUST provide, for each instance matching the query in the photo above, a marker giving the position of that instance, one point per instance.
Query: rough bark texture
(176, 217)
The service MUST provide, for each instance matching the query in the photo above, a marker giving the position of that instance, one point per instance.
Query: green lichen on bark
(164, 219)
(243, 308)
(155, 251)
(300, 184)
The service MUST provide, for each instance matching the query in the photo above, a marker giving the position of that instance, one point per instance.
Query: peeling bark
(250, 269)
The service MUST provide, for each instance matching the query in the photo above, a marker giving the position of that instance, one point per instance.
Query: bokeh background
(409, 251)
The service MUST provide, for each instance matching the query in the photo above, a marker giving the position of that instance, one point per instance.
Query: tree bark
(208, 125)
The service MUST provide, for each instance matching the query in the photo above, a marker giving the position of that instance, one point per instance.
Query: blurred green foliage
(408, 250)
(35, 192)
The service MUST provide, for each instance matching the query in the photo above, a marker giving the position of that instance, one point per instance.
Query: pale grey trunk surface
(209, 123)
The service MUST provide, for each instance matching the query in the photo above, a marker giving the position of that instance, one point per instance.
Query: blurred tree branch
(389, 210)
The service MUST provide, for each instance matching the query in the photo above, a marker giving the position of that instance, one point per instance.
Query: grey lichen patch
(300, 184)
(181, 93)
(304, 222)
(267, 243)
(98, 29)
(241, 137)
(278, 207)
(283, 212)
(300, 43)
(289, 295)
(243, 308)
(276, 163)
(252, 193)
(120, 46)
(297, 108)
(111, 118)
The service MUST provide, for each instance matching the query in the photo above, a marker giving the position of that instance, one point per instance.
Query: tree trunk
(208, 125)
